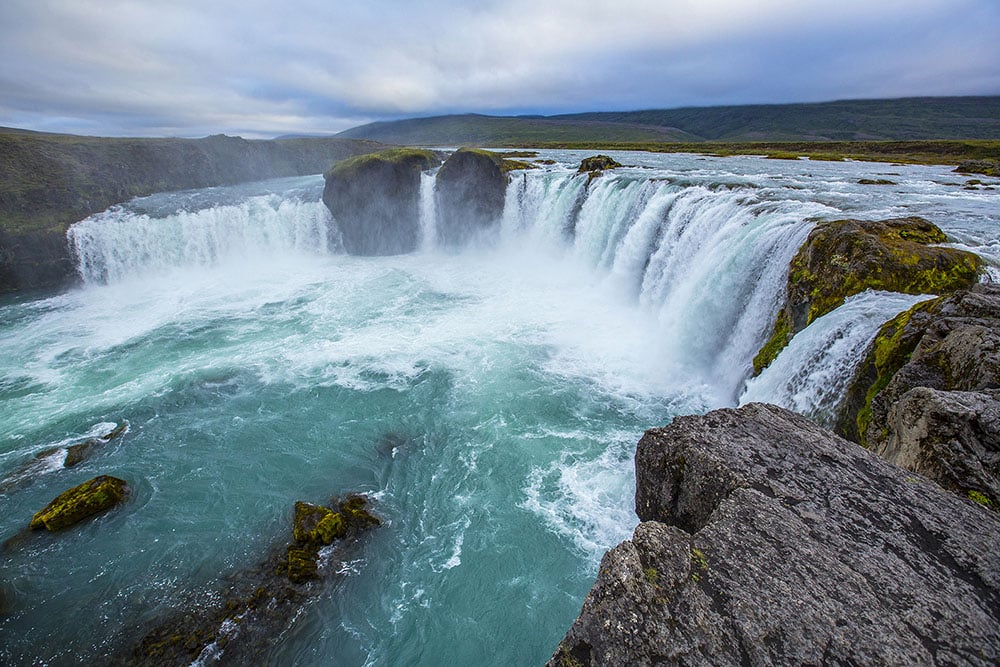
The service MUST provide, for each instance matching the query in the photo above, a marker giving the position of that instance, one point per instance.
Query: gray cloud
(188, 67)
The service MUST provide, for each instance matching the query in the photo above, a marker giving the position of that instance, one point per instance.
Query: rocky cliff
(927, 394)
(767, 540)
(841, 258)
(48, 182)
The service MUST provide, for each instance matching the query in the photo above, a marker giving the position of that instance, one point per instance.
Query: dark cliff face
(376, 200)
(767, 540)
(48, 182)
(471, 187)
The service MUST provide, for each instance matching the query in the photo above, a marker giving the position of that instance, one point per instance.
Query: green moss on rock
(92, 497)
(315, 524)
(597, 163)
(845, 257)
(411, 158)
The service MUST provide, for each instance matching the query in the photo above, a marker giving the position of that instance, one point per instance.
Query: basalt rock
(259, 603)
(375, 200)
(470, 189)
(81, 502)
(925, 396)
(766, 540)
(845, 257)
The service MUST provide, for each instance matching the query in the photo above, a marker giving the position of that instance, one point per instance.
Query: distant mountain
(913, 118)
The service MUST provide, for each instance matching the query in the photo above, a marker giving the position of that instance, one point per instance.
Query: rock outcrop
(767, 540)
(375, 200)
(470, 188)
(595, 164)
(926, 394)
(81, 502)
(49, 181)
(259, 603)
(845, 257)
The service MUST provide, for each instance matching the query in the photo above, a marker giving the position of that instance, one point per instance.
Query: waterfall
(428, 210)
(122, 242)
(811, 375)
(710, 262)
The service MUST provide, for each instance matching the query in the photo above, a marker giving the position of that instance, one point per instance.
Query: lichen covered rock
(92, 497)
(766, 540)
(845, 257)
(375, 200)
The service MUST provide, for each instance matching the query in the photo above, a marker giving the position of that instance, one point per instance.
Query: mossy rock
(597, 163)
(315, 524)
(985, 167)
(842, 258)
(302, 564)
(410, 158)
(82, 501)
(875, 181)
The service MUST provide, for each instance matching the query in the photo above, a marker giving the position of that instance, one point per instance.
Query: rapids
(489, 400)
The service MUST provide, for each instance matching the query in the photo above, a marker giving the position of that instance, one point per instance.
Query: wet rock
(470, 188)
(375, 200)
(767, 540)
(948, 345)
(85, 500)
(845, 257)
(987, 167)
(597, 163)
(55, 458)
(259, 603)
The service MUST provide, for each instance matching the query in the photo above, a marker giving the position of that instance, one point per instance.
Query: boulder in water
(767, 540)
(845, 257)
(260, 602)
(375, 200)
(595, 164)
(85, 500)
(55, 458)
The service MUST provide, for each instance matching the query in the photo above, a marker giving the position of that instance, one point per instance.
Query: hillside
(905, 119)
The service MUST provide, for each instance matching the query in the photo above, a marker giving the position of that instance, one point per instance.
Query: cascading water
(813, 372)
(489, 400)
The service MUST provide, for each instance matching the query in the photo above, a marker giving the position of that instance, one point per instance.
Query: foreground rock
(81, 502)
(845, 257)
(375, 199)
(259, 604)
(471, 187)
(766, 540)
(926, 395)
(56, 458)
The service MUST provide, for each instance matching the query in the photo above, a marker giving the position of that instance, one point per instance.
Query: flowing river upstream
(488, 400)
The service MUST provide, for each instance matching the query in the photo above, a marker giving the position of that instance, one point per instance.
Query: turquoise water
(489, 401)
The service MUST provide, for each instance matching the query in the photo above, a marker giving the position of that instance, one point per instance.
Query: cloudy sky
(260, 68)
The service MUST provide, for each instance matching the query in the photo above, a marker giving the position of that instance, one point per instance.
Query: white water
(489, 400)
(813, 372)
